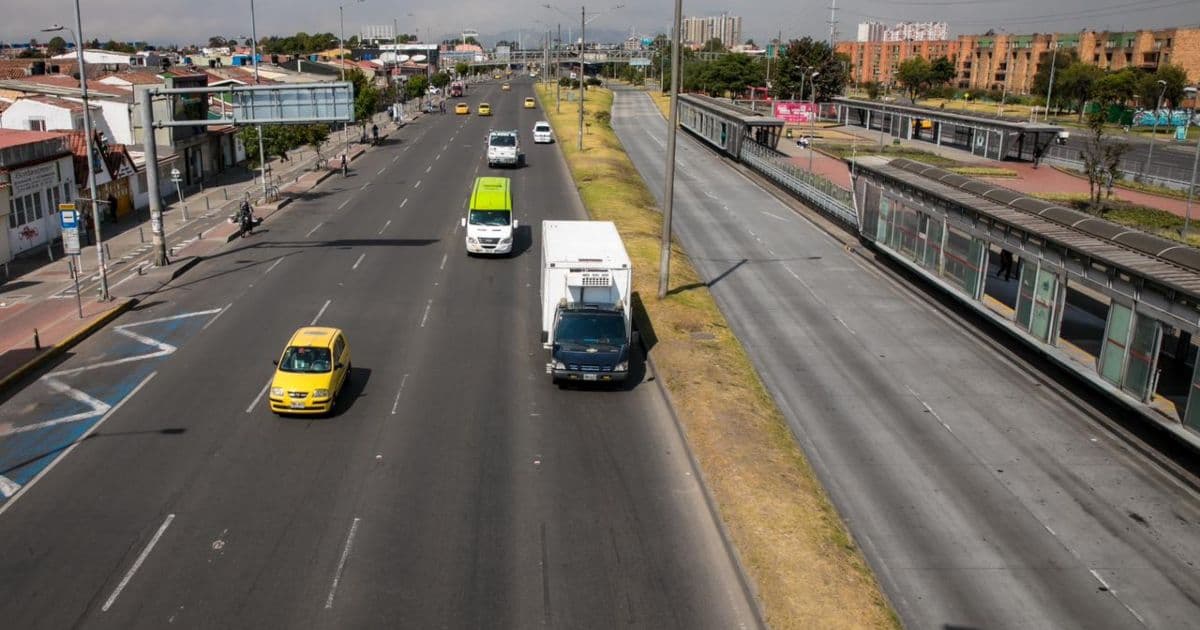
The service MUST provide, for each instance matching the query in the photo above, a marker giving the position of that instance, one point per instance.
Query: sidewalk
(39, 294)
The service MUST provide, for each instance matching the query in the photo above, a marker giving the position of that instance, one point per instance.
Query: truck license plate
(589, 377)
(297, 405)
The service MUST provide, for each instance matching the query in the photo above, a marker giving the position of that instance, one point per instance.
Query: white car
(542, 133)
(503, 147)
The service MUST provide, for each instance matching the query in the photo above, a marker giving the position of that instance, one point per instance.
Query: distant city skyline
(144, 20)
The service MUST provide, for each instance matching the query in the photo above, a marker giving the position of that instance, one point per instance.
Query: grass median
(805, 566)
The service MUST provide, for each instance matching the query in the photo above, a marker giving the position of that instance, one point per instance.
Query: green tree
(440, 80)
(1078, 83)
(462, 68)
(1101, 161)
(941, 71)
(1173, 80)
(216, 41)
(1061, 59)
(56, 46)
(416, 86)
(914, 74)
(801, 58)
(366, 96)
(1116, 87)
(873, 89)
(713, 45)
(732, 74)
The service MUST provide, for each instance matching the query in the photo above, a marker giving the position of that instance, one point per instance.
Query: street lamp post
(812, 119)
(262, 156)
(1154, 129)
(1050, 86)
(89, 143)
(664, 264)
(583, 22)
(1187, 213)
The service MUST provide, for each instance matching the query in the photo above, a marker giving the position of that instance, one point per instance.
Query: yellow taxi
(506, 87)
(462, 108)
(496, 76)
(311, 372)
(484, 109)
(530, 103)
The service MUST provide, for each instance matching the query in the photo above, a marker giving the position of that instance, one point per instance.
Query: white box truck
(586, 318)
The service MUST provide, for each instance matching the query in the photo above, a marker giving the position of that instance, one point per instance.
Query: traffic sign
(639, 61)
(67, 216)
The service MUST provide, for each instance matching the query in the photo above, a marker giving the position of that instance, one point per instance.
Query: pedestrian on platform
(1006, 264)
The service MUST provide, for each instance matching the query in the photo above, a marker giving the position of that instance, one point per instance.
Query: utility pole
(582, 45)
(262, 156)
(150, 144)
(557, 84)
(1050, 87)
(664, 269)
(1154, 129)
(832, 23)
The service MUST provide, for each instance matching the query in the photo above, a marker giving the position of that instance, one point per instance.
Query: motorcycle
(245, 220)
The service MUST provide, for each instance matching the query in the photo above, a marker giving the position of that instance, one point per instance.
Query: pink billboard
(794, 112)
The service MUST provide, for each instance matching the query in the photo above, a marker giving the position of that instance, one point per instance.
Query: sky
(173, 21)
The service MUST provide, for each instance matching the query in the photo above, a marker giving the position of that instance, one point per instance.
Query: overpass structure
(560, 57)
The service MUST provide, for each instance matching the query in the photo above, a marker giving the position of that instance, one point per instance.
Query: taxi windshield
(305, 359)
(490, 217)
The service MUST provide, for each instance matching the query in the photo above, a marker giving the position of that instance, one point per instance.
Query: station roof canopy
(744, 115)
(970, 120)
(1159, 260)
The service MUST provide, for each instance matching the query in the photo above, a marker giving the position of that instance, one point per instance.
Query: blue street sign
(68, 217)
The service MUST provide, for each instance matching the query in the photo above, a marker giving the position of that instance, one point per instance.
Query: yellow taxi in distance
(462, 108)
(312, 371)
(530, 103)
(506, 87)
(496, 76)
(484, 109)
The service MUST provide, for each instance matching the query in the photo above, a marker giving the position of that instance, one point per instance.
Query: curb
(71, 340)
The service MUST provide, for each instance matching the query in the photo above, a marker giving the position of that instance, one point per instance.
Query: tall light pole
(664, 264)
(812, 119)
(262, 155)
(89, 144)
(342, 37)
(1187, 213)
(1050, 86)
(1154, 129)
(583, 22)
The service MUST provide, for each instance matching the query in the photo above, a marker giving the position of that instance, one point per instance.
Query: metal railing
(822, 194)
(1158, 175)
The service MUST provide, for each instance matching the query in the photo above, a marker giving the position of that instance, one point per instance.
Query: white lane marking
(438, 157)
(8, 487)
(425, 317)
(95, 408)
(806, 286)
(395, 158)
(385, 226)
(164, 348)
(315, 228)
(428, 168)
(261, 393)
(137, 564)
(418, 184)
(343, 204)
(404, 203)
(778, 218)
(222, 312)
(443, 266)
(273, 265)
(364, 186)
(337, 576)
(845, 325)
(358, 262)
(396, 404)
(929, 409)
(381, 171)
(320, 313)
(1099, 579)
(85, 436)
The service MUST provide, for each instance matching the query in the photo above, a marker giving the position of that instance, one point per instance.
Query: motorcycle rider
(246, 218)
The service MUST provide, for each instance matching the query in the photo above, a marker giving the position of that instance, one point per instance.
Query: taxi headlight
(621, 367)
(559, 365)
(276, 391)
(321, 393)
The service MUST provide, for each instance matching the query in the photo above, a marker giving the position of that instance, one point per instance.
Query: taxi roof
(491, 193)
(314, 336)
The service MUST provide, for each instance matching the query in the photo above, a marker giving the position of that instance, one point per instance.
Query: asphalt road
(981, 497)
(454, 488)
(1169, 159)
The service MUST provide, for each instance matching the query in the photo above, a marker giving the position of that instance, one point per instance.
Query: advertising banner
(795, 112)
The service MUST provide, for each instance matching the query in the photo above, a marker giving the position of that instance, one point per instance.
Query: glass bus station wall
(1104, 331)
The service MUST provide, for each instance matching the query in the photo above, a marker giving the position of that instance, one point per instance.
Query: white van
(542, 132)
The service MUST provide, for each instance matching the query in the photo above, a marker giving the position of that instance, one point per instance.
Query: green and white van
(489, 221)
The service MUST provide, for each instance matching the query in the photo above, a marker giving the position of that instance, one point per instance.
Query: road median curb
(67, 343)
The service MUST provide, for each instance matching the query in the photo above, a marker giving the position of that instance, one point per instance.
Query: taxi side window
(339, 346)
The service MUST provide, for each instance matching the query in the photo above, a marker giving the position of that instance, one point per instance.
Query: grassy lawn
(807, 570)
(1161, 191)
(863, 149)
(983, 171)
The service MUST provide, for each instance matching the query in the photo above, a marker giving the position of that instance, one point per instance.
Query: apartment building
(696, 31)
(1005, 61)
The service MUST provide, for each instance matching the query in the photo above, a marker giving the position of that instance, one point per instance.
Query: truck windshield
(490, 217)
(586, 329)
(504, 141)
